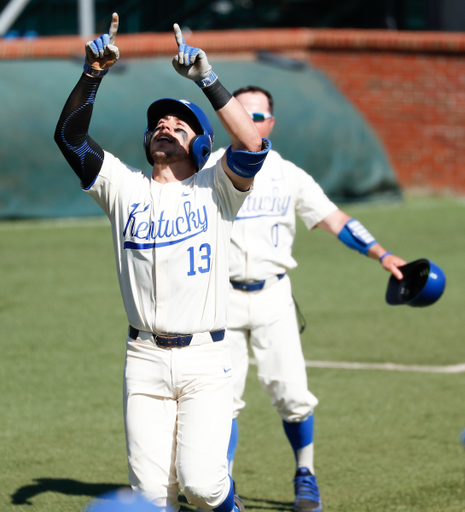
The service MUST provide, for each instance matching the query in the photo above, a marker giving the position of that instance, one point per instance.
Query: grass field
(385, 440)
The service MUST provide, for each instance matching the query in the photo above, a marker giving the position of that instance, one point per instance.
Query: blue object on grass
(121, 500)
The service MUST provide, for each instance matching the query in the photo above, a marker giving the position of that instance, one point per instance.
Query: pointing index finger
(113, 27)
(178, 35)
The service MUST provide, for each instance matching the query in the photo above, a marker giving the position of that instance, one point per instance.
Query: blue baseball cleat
(307, 495)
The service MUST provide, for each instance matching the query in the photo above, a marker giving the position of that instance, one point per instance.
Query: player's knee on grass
(207, 496)
(165, 497)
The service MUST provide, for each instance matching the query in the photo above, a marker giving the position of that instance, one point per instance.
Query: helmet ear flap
(147, 139)
(200, 149)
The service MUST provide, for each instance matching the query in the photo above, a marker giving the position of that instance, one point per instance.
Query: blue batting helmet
(122, 500)
(201, 145)
(422, 284)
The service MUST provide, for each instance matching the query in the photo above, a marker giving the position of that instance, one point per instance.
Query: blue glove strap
(208, 80)
(245, 163)
(93, 72)
(356, 237)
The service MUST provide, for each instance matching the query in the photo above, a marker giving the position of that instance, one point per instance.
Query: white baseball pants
(266, 319)
(178, 414)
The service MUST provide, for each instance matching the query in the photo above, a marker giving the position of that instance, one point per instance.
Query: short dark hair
(255, 88)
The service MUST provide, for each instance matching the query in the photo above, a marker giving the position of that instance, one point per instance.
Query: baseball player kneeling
(171, 233)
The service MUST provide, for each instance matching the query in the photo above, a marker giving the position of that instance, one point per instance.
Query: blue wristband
(355, 236)
(93, 72)
(385, 254)
(208, 80)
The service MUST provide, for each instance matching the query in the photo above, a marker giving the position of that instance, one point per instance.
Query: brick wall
(410, 86)
(415, 101)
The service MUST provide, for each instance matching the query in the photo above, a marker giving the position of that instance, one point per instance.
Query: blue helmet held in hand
(201, 145)
(422, 284)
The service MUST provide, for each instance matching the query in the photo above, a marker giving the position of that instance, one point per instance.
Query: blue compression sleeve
(83, 154)
(356, 237)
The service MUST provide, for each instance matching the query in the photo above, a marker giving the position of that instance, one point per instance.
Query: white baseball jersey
(264, 230)
(171, 245)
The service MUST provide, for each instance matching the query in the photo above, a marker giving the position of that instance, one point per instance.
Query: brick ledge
(232, 41)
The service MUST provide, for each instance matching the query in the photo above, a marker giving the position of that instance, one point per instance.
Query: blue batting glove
(192, 62)
(101, 53)
(97, 46)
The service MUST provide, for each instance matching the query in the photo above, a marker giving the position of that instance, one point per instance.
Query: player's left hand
(190, 62)
(391, 263)
(101, 53)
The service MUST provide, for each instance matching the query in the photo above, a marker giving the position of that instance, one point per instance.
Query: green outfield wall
(316, 128)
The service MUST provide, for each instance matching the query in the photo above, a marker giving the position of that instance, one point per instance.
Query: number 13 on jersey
(199, 260)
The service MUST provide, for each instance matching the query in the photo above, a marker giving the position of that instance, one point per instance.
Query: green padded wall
(316, 127)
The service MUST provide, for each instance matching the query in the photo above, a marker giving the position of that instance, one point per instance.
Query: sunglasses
(260, 116)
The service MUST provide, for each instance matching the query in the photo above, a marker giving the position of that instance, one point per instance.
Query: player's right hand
(101, 53)
(391, 263)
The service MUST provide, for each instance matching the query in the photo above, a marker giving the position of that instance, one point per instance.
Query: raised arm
(248, 150)
(83, 154)
(352, 234)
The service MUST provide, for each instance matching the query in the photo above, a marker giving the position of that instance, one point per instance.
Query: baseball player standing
(262, 310)
(171, 233)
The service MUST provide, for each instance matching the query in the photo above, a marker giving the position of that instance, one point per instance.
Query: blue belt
(175, 340)
(254, 286)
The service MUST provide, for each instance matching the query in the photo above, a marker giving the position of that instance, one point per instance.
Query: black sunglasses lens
(258, 116)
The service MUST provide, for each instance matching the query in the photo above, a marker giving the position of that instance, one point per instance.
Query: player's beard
(170, 156)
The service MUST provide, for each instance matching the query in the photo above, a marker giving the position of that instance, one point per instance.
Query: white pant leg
(204, 380)
(150, 411)
(238, 336)
(276, 345)
(240, 361)
(178, 413)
